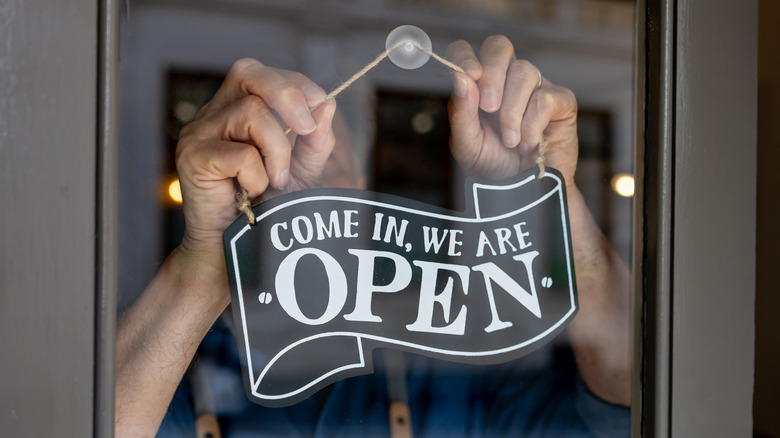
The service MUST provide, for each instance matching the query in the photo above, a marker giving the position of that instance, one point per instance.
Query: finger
(312, 92)
(250, 120)
(232, 87)
(522, 78)
(312, 151)
(461, 53)
(547, 105)
(495, 55)
(206, 163)
(283, 95)
(466, 132)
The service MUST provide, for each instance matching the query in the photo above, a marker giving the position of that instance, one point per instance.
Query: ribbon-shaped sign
(328, 275)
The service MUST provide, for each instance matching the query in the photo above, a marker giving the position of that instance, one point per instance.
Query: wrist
(572, 191)
(200, 276)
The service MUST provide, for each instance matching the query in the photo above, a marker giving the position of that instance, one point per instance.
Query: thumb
(312, 151)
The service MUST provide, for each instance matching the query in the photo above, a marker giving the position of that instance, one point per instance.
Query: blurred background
(174, 54)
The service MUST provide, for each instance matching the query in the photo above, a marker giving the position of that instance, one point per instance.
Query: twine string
(244, 204)
(543, 144)
(368, 67)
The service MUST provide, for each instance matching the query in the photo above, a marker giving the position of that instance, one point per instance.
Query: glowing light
(174, 191)
(623, 184)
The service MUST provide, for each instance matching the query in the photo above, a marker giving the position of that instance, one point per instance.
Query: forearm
(159, 334)
(601, 332)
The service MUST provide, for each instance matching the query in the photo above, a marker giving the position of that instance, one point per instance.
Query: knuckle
(254, 106)
(187, 130)
(297, 76)
(544, 99)
(522, 68)
(257, 185)
(548, 99)
(286, 92)
(241, 66)
(457, 47)
(330, 142)
(262, 185)
(511, 117)
(570, 98)
(500, 41)
(188, 137)
(524, 65)
(249, 156)
(205, 109)
(184, 152)
(526, 74)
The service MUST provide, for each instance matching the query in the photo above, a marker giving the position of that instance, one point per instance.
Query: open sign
(327, 275)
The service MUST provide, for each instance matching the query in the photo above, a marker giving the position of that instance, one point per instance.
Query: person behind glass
(499, 110)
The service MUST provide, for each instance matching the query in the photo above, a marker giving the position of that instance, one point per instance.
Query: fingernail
(489, 100)
(460, 86)
(304, 119)
(510, 137)
(284, 178)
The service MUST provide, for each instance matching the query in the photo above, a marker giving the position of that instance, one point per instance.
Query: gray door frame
(48, 162)
(697, 255)
(695, 247)
(107, 194)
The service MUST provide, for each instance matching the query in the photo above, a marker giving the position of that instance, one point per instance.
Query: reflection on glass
(392, 134)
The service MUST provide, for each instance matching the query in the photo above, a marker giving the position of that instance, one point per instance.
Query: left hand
(240, 135)
(499, 111)
(501, 108)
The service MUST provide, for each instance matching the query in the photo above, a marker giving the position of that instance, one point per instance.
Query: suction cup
(403, 47)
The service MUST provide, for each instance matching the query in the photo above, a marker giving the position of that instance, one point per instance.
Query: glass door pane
(560, 78)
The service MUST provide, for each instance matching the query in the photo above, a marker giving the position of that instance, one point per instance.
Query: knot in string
(245, 205)
(540, 156)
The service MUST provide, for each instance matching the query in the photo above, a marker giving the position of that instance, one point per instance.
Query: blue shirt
(540, 395)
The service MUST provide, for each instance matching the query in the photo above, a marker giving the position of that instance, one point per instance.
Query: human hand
(499, 111)
(240, 134)
(501, 108)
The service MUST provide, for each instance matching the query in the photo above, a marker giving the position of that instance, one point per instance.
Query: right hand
(240, 134)
(500, 109)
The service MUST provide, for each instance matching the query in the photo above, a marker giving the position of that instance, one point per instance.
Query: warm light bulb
(174, 191)
(623, 184)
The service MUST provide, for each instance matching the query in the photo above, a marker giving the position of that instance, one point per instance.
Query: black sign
(327, 275)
